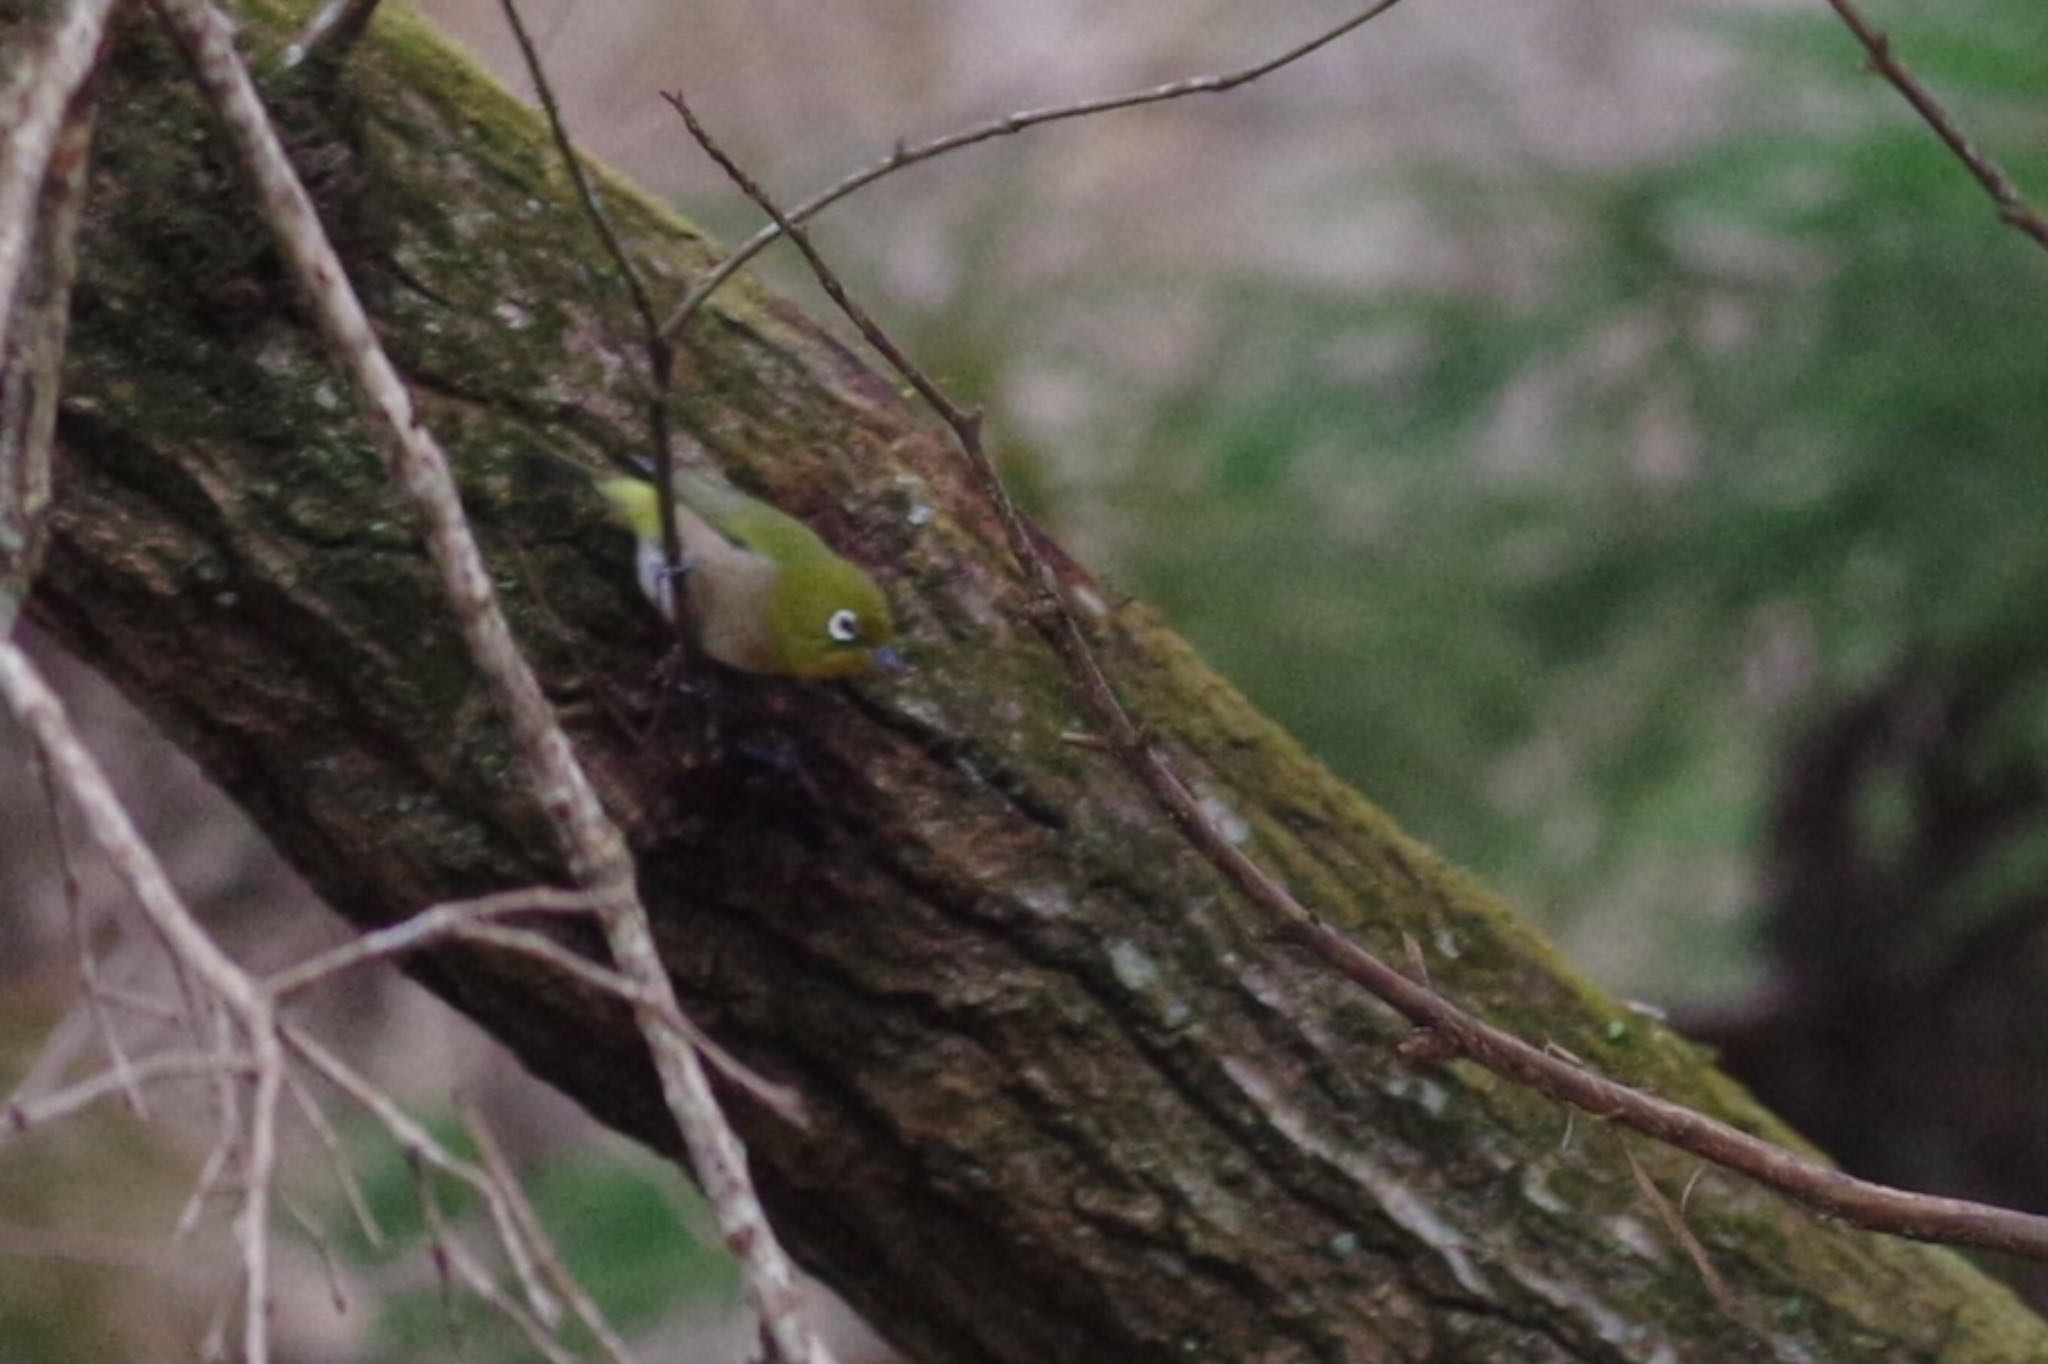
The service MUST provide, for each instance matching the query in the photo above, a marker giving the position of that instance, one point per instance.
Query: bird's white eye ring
(843, 625)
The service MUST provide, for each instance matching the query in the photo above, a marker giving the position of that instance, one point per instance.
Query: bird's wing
(747, 522)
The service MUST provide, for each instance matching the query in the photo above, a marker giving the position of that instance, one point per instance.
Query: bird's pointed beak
(888, 660)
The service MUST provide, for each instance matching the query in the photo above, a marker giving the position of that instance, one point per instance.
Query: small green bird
(766, 594)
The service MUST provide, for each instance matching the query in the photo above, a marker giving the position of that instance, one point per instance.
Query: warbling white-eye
(766, 595)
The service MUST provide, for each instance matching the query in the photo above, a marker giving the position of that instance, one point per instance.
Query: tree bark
(1073, 1099)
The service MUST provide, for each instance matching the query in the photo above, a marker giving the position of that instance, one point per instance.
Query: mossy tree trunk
(1075, 1101)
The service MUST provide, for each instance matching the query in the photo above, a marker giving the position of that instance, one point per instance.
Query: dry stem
(903, 155)
(2013, 208)
(1449, 1030)
(595, 849)
(654, 341)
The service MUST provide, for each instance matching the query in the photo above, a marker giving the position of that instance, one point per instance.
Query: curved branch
(1005, 126)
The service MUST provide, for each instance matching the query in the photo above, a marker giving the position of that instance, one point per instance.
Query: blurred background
(1614, 437)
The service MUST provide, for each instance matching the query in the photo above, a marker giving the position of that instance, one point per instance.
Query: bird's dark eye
(843, 625)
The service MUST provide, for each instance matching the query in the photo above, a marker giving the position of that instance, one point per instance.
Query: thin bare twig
(74, 1034)
(429, 1200)
(1452, 1032)
(780, 1100)
(25, 1115)
(228, 1130)
(1008, 125)
(580, 1302)
(472, 921)
(2013, 208)
(595, 849)
(451, 1254)
(426, 928)
(66, 1041)
(86, 953)
(424, 1151)
(660, 352)
(966, 425)
(334, 26)
(314, 1232)
(309, 1108)
(1674, 1222)
(1692, 1182)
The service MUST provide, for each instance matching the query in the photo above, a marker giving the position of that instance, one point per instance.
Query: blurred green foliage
(1553, 571)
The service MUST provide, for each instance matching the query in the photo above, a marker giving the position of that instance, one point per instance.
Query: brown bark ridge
(1074, 1101)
